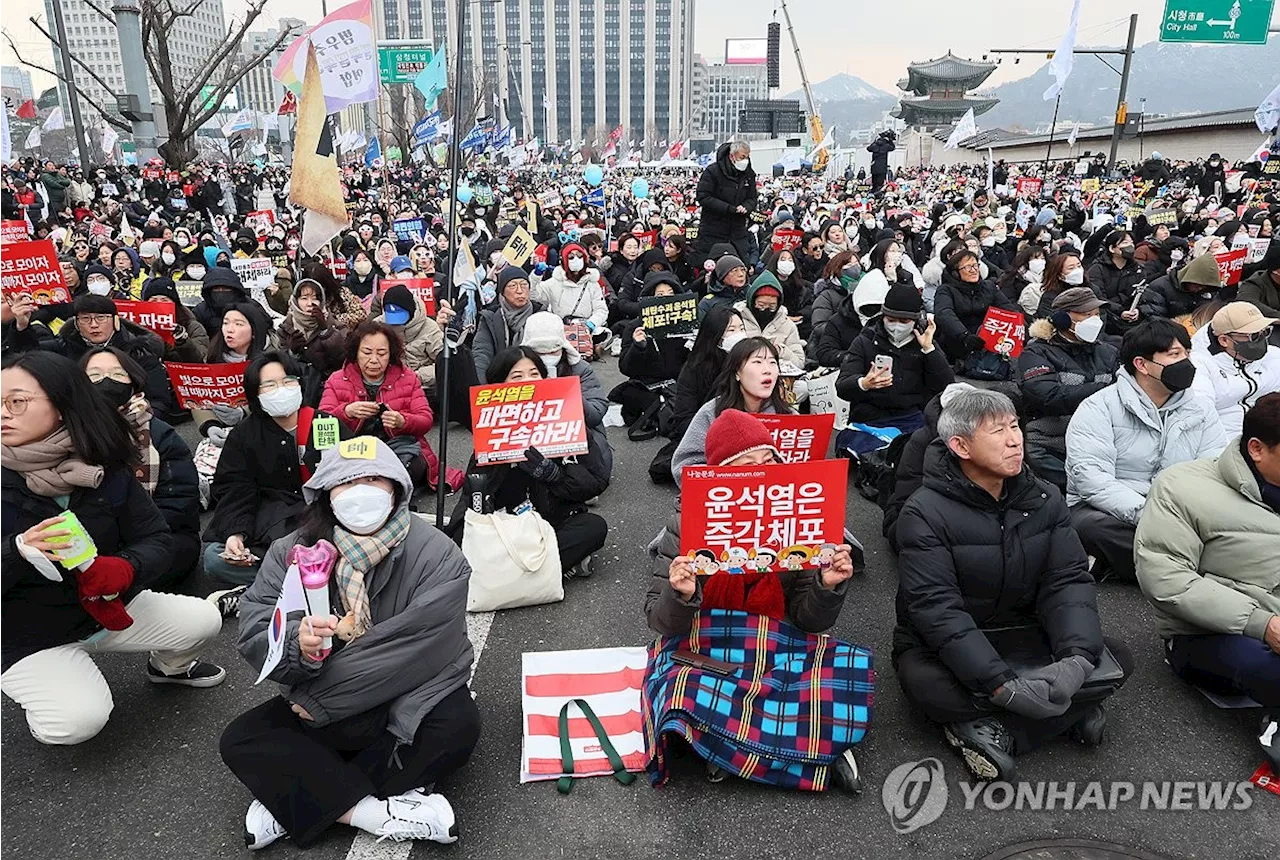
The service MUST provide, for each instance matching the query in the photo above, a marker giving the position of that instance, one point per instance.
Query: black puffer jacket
(655, 359)
(694, 385)
(177, 492)
(1114, 285)
(1164, 297)
(910, 473)
(969, 563)
(123, 521)
(1058, 374)
(960, 308)
(721, 189)
(917, 378)
(837, 334)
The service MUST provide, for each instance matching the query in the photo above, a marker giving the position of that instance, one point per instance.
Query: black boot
(986, 746)
(1091, 726)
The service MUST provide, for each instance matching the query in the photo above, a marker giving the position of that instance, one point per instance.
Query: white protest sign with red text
(157, 317)
(1004, 332)
(200, 386)
(508, 418)
(1028, 186)
(800, 438)
(32, 268)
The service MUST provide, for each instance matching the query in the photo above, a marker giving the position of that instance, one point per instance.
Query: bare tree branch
(53, 41)
(107, 16)
(114, 120)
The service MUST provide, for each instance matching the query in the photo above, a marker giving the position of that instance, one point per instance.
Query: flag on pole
(546, 102)
(315, 183)
(6, 145)
(54, 122)
(27, 110)
(242, 121)
(33, 137)
(373, 153)
(991, 171)
(827, 140)
(434, 78)
(346, 58)
(1075, 131)
(1064, 57)
(1261, 154)
(475, 139)
(966, 128)
(1267, 116)
(288, 104)
(109, 138)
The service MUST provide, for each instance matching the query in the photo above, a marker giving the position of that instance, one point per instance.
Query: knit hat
(764, 284)
(1079, 299)
(96, 269)
(159, 286)
(1202, 271)
(334, 469)
(734, 433)
(509, 274)
(149, 248)
(727, 264)
(398, 305)
(903, 300)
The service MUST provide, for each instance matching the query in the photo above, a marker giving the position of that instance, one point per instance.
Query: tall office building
(15, 84)
(698, 100)
(258, 90)
(567, 69)
(728, 89)
(93, 40)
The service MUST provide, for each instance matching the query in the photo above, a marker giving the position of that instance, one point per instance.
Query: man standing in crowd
(727, 194)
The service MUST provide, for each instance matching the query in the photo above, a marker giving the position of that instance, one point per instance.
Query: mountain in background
(1174, 79)
(846, 102)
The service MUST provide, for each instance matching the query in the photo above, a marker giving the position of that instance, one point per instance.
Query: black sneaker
(581, 570)
(1091, 727)
(715, 774)
(198, 674)
(986, 747)
(228, 600)
(1269, 740)
(845, 773)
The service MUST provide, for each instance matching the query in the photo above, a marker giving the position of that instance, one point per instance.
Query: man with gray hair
(727, 194)
(998, 637)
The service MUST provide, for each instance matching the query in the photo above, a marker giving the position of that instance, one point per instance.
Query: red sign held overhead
(787, 239)
(156, 317)
(1029, 187)
(1231, 265)
(800, 438)
(200, 386)
(32, 268)
(423, 288)
(1004, 332)
(648, 239)
(509, 418)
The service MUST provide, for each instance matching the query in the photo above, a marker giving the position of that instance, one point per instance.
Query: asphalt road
(152, 784)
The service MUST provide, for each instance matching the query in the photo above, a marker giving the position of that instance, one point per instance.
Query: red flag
(27, 110)
(289, 104)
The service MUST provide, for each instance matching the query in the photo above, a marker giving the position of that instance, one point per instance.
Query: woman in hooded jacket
(241, 337)
(126, 272)
(853, 313)
(309, 335)
(797, 293)
(676, 249)
(572, 291)
(887, 256)
(764, 315)
(648, 362)
(383, 254)
(627, 305)
(341, 306)
(362, 277)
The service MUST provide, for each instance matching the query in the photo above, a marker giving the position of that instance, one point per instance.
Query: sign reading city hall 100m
(1243, 22)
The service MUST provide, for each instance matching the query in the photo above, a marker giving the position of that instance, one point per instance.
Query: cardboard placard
(1004, 332)
(1091, 186)
(800, 438)
(1028, 186)
(1161, 215)
(664, 316)
(32, 268)
(14, 231)
(789, 516)
(256, 273)
(157, 317)
(423, 288)
(1231, 265)
(200, 386)
(509, 418)
(786, 239)
(338, 266)
(519, 247)
(1258, 249)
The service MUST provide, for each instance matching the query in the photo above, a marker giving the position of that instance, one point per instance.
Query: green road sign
(401, 65)
(1242, 22)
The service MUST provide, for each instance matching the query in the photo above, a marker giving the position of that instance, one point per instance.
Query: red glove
(101, 587)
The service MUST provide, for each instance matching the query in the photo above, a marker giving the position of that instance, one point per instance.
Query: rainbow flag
(345, 54)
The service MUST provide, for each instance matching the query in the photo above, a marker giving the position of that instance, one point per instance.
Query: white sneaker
(416, 815)
(261, 827)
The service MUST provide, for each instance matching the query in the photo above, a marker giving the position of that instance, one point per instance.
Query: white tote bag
(823, 398)
(515, 561)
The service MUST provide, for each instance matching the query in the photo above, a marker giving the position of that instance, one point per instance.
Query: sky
(874, 41)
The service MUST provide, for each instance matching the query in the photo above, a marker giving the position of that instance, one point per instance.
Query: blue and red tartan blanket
(797, 701)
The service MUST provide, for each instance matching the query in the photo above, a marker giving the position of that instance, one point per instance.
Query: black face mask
(1251, 350)
(1127, 253)
(1179, 375)
(117, 393)
(763, 318)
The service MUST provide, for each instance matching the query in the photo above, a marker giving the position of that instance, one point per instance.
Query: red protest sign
(33, 268)
(508, 418)
(151, 173)
(172, 176)
(788, 516)
(13, 231)
(1004, 332)
(338, 266)
(1029, 186)
(800, 438)
(157, 317)
(1231, 265)
(200, 386)
(648, 239)
(787, 240)
(423, 288)
(260, 221)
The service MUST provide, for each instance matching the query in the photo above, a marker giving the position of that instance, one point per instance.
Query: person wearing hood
(648, 362)
(764, 315)
(364, 728)
(718, 334)
(544, 334)
(997, 619)
(572, 291)
(127, 274)
(626, 306)
(854, 311)
(190, 340)
(891, 370)
(340, 305)
(383, 255)
(220, 288)
(1160, 252)
(1262, 288)
(622, 270)
(726, 194)
(727, 287)
(423, 338)
(1182, 292)
(961, 305)
(1237, 364)
(1064, 362)
(1213, 180)
(170, 261)
(307, 332)
(246, 243)
(558, 488)
(362, 279)
(797, 293)
(501, 324)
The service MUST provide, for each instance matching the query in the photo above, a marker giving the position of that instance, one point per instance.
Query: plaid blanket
(798, 701)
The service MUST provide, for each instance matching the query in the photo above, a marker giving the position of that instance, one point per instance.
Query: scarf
(832, 249)
(359, 554)
(51, 466)
(306, 324)
(759, 593)
(514, 318)
(138, 413)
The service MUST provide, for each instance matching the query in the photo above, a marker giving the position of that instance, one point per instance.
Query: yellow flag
(315, 183)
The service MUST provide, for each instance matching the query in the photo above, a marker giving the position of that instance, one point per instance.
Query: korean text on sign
(509, 418)
(200, 386)
(664, 316)
(1029, 187)
(1231, 265)
(784, 516)
(13, 231)
(422, 288)
(786, 240)
(156, 317)
(32, 268)
(800, 438)
(519, 247)
(1003, 332)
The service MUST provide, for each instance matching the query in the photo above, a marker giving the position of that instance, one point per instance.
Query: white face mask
(989, 242)
(551, 360)
(195, 273)
(1176, 256)
(99, 286)
(168, 258)
(731, 339)
(494, 258)
(1036, 266)
(576, 263)
(1088, 330)
(786, 267)
(741, 164)
(900, 333)
(1075, 277)
(281, 402)
(363, 509)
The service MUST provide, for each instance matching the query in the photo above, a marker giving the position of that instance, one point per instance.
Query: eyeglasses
(16, 404)
(275, 385)
(1241, 337)
(118, 375)
(969, 267)
(93, 319)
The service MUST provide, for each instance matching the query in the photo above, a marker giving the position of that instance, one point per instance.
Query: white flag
(965, 129)
(826, 144)
(33, 138)
(1064, 57)
(6, 146)
(109, 138)
(1267, 116)
(991, 171)
(54, 121)
(1075, 130)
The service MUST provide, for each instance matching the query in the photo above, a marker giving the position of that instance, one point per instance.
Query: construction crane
(821, 157)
